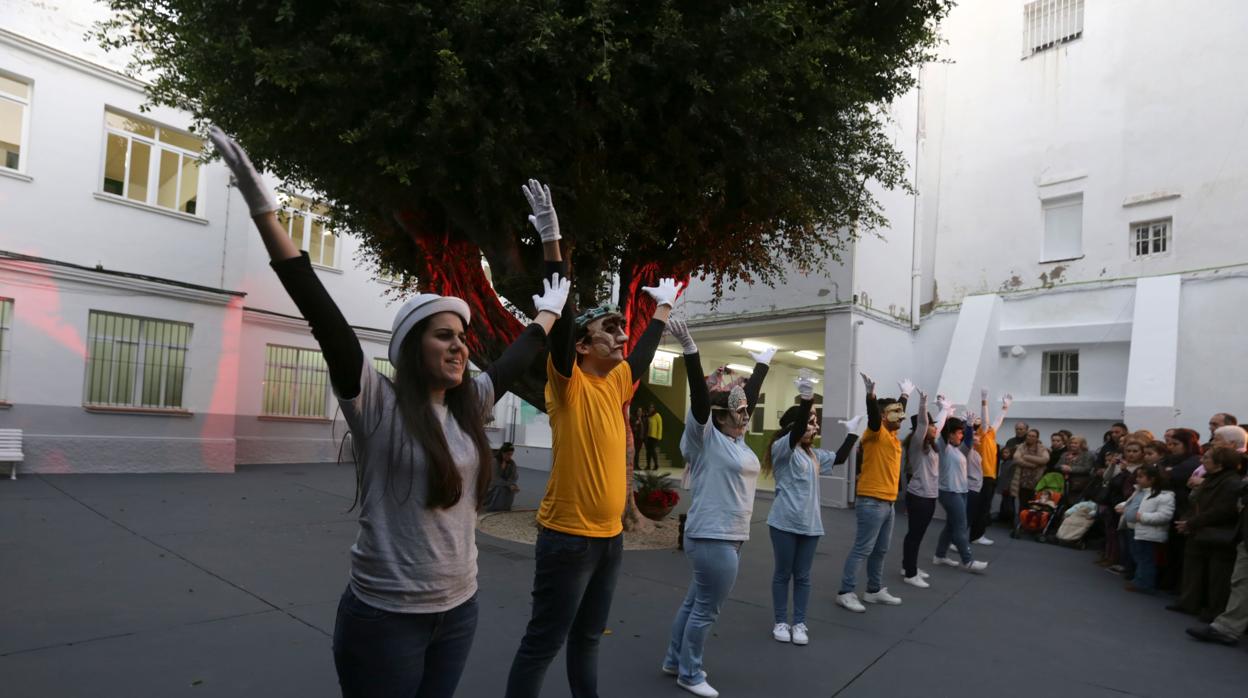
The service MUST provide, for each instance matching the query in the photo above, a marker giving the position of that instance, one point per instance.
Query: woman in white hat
(407, 618)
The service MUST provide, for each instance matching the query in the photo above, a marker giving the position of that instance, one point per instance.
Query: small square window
(1060, 373)
(1150, 238)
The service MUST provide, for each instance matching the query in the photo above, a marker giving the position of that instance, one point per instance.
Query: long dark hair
(421, 424)
(952, 425)
(1154, 474)
(788, 422)
(1190, 440)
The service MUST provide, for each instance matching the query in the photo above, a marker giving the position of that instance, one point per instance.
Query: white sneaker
(941, 560)
(978, 566)
(920, 572)
(916, 581)
(882, 596)
(800, 637)
(982, 540)
(849, 600)
(782, 633)
(698, 689)
(953, 548)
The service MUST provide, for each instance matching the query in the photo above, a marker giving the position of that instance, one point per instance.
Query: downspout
(916, 249)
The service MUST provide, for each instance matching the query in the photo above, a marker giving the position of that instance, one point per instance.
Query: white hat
(419, 308)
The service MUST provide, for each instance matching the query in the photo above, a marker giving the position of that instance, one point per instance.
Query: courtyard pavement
(226, 585)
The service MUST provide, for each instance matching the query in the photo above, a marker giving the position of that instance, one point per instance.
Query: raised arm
(519, 355)
(945, 411)
(853, 428)
(874, 419)
(699, 394)
(546, 221)
(806, 393)
(339, 345)
(1006, 401)
(643, 352)
(754, 386)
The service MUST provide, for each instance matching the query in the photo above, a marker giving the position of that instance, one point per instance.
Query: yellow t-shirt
(988, 451)
(656, 426)
(588, 485)
(881, 465)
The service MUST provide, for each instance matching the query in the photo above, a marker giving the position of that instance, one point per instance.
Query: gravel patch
(521, 527)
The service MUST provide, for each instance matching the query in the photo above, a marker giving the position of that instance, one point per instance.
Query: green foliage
(724, 138)
(647, 481)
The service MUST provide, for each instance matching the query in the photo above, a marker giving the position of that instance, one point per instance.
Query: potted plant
(655, 495)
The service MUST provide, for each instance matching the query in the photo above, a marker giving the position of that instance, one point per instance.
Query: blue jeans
(714, 572)
(379, 653)
(572, 589)
(955, 530)
(875, 530)
(1144, 553)
(795, 554)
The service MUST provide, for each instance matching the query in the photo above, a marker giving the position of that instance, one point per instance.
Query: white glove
(543, 217)
(943, 404)
(870, 384)
(665, 293)
(854, 426)
(907, 386)
(764, 356)
(983, 395)
(554, 295)
(805, 386)
(679, 330)
(1006, 401)
(255, 192)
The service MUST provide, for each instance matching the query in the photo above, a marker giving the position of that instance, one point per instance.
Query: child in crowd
(1147, 514)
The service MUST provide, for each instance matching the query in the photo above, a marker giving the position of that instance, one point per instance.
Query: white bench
(11, 449)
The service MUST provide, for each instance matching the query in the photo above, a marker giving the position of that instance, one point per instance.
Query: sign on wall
(661, 369)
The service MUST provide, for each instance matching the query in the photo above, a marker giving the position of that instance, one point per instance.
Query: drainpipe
(916, 249)
(851, 472)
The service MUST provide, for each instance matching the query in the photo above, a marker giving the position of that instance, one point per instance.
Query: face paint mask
(735, 418)
(894, 413)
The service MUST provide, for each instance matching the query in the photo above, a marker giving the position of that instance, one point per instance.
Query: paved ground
(226, 585)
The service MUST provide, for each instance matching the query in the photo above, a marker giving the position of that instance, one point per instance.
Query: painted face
(444, 349)
(733, 420)
(893, 414)
(606, 339)
(812, 429)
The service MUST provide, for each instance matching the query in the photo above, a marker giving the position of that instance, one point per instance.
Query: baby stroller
(1043, 509)
(1076, 523)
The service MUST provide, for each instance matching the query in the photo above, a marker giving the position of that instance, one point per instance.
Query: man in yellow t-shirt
(654, 434)
(580, 540)
(878, 485)
(978, 520)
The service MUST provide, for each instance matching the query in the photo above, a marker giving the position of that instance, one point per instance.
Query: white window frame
(1048, 24)
(6, 344)
(319, 381)
(303, 206)
(383, 366)
(1065, 372)
(1053, 204)
(155, 147)
(178, 339)
(758, 415)
(24, 138)
(1150, 228)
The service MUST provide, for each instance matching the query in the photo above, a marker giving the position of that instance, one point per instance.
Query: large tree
(680, 138)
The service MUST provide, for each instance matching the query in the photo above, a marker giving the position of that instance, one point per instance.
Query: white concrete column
(839, 394)
(1154, 360)
(972, 349)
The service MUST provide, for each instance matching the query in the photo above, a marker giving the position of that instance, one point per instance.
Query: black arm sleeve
(798, 428)
(873, 412)
(699, 395)
(339, 345)
(847, 447)
(643, 352)
(905, 401)
(754, 385)
(562, 339)
(516, 359)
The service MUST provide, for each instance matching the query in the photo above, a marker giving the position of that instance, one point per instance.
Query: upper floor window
(14, 122)
(136, 361)
(1063, 228)
(1151, 238)
(307, 225)
(1050, 23)
(151, 164)
(1060, 373)
(6, 323)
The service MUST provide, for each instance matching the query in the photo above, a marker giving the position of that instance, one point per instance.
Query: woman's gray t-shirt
(724, 472)
(407, 557)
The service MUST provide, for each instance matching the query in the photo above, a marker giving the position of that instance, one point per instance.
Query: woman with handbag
(1210, 524)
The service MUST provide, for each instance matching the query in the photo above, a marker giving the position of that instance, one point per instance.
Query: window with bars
(307, 225)
(135, 361)
(1061, 373)
(151, 164)
(384, 367)
(6, 327)
(1151, 238)
(1051, 23)
(296, 382)
(14, 121)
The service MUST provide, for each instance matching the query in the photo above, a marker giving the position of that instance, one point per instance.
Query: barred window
(135, 361)
(1050, 23)
(1061, 373)
(6, 325)
(384, 367)
(296, 382)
